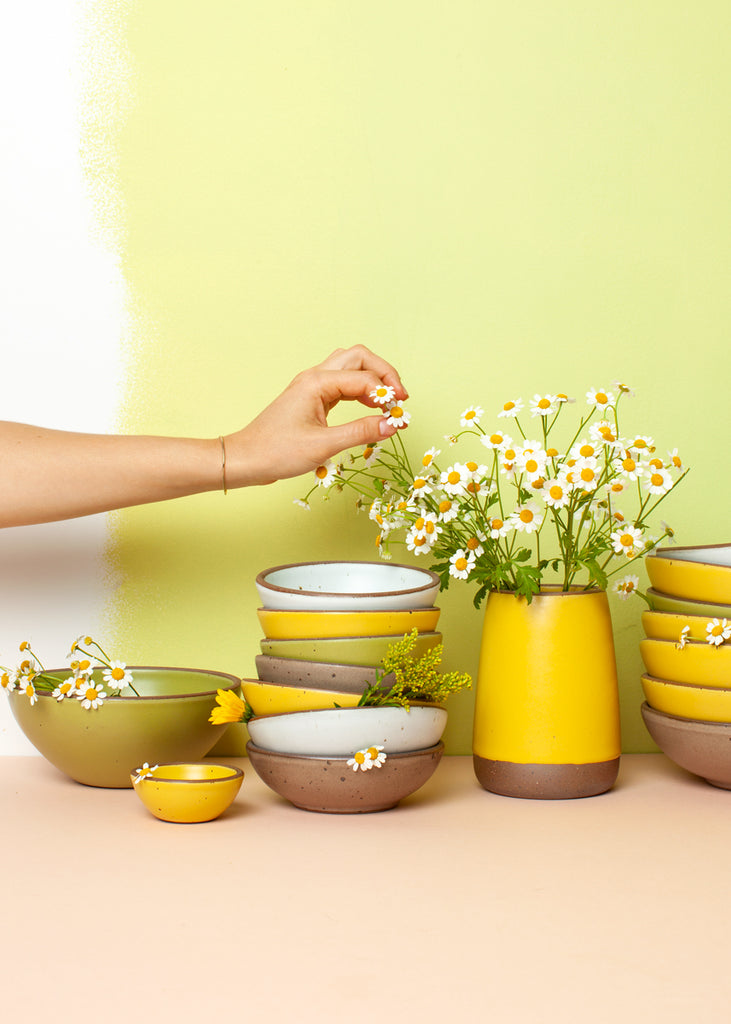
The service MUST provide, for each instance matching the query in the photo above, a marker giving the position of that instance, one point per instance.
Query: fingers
(365, 431)
(360, 358)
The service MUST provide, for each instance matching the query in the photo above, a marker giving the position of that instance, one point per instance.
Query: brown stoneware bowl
(316, 675)
(703, 748)
(329, 784)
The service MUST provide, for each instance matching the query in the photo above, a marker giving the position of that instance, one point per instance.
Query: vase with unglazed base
(547, 706)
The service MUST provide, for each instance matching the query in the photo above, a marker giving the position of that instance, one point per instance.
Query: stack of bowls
(687, 657)
(327, 627)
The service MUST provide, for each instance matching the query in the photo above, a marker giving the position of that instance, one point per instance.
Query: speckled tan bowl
(703, 748)
(329, 784)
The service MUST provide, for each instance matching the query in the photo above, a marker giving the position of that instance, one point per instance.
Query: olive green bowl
(167, 723)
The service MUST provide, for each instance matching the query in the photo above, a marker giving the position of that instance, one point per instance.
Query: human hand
(292, 436)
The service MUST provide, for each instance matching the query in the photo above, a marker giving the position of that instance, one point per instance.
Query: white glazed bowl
(343, 731)
(347, 586)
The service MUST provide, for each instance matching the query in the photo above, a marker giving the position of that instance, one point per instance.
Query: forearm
(50, 474)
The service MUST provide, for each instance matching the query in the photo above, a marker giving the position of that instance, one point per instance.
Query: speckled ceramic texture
(169, 723)
(546, 781)
(317, 675)
(329, 784)
(703, 748)
(346, 586)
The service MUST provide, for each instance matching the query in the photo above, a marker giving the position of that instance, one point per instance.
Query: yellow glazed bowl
(667, 603)
(189, 793)
(357, 650)
(669, 625)
(699, 664)
(289, 624)
(701, 703)
(696, 573)
(276, 698)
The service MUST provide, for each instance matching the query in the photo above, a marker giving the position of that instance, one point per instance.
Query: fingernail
(385, 429)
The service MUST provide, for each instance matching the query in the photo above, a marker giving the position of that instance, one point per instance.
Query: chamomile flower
(508, 459)
(512, 408)
(585, 450)
(117, 675)
(498, 527)
(26, 687)
(377, 755)
(532, 462)
(370, 454)
(362, 760)
(496, 441)
(471, 416)
(586, 474)
(527, 518)
(421, 485)
(301, 503)
(429, 456)
(475, 544)
(145, 772)
(8, 680)
(627, 541)
(627, 586)
(601, 399)
(66, 688)
(624, 389)
(628, 466)
(80, 641)
(675, 461)
(454, 479)
(683, 638)
(90, 696)
(603, 432)
(326, 473)
(461, 564)
(718, 631)
(382, 395)
(657, 480)
(557, 492)
(641, 443)
(448, 510)
(543, 405)
(398, 417)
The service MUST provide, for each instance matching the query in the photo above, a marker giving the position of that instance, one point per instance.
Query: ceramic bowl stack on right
(687, 657)
(327, 627)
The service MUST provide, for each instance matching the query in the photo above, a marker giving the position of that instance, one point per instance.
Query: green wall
(501, 199)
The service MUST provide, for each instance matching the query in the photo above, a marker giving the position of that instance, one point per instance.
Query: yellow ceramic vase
(547, 707)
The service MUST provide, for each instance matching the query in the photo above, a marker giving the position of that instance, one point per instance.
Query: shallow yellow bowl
(701, 703)
(189, 793)
(700, 664)
(285, 624)
(669, 625)
(277, 698)
(697, 573)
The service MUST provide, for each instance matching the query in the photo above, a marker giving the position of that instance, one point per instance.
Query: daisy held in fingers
(565, 496)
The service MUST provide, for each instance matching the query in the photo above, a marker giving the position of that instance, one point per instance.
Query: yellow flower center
(473, 543)
(717, 630)
(552, 452)
(656, 463)
(556, 492)
(91, 693)
(531, 466)
(676, 461)
(429, 527)
(657, 480)
(117, 674)
(510, 455)
(473, 487)
(419, 483)
(360, 757)
(418, 541)
(321, 472)
(544, 403)
(454, 477)
(395, 411)
(372, 753)
(470, 414)
(538, 483)
(587, 474)
(427, 460)
(419, 524)
(629, 465)
(496, 524)
(472, 466)
(496, 438)
(640, 442)
(367, 453)
(601, 398)
(508, 406)
(586, 450)
(444, 506)
(526, 516)
(461, 564)
(627, 540)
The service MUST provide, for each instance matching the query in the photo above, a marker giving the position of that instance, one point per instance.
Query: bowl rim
(348, 612)
(233, 773)
(668, 552)
(366, 707)
(350, 641)
(234, 681)
(690, 643)
(262, 581)
(686, 686)
(294, 686)
(653, 591)
(398, 755)
(647, 709)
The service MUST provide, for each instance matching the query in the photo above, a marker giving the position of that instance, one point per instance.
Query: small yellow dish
(286, 624)
(701, 703)
(276, 698)
(699, 664)
(188, 793)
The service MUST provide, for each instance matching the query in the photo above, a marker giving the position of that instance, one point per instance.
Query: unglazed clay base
(546, 781)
